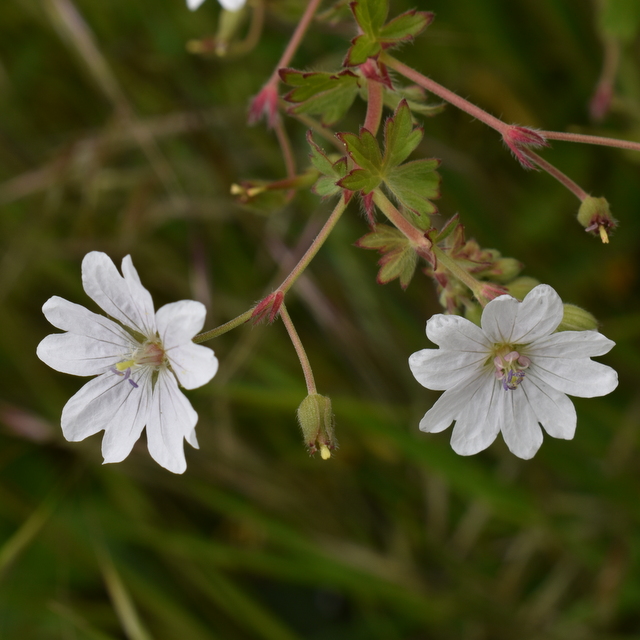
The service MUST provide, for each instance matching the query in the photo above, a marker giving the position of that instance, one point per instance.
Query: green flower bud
(519, 287)
(505, 269)
(318, 425)
(594, 215)
(577, 319)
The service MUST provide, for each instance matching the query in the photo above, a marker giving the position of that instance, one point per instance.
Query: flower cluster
(139, 357)
(510, 375)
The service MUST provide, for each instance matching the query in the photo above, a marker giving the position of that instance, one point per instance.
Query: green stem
(456, 270)
(289, 280)
(302, 354)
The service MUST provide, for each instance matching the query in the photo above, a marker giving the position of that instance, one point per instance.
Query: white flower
(139, 359)
(229, 5)
(511, 375)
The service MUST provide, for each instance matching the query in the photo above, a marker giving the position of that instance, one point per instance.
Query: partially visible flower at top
(228, 5)
(511, 375)
(140, 357)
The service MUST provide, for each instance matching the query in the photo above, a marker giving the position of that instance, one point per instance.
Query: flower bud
(519, 287)
(577, 319)
(318, 424)
(473, 312)
(505, 269)
(594, 215)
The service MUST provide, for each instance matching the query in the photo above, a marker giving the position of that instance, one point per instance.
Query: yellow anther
(325, 454)
(123, 366)
(604, 236)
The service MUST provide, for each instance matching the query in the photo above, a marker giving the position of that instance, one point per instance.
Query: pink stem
(563, 179)
(374, 106)
(581, 137)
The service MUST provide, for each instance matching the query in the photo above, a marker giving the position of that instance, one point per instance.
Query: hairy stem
(302, 354)
(563, 179)
(297, 271)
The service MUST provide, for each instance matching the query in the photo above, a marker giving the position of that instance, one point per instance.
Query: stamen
(510, 369)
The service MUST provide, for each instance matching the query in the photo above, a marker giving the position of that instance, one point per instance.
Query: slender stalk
(374, 106)
(563, 179)
(417, 237)
(599, 140)
(315, 246)
(444, 93)
(223, 328)
(459, 272)
(302, 354)
(287, 283)
(285, 147)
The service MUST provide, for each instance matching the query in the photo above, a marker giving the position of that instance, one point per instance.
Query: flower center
(149, 354)
(510, 369)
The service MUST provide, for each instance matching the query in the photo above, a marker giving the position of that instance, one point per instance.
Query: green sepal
(329, 95)
(413, 184)
(575, 318)
(400, 138)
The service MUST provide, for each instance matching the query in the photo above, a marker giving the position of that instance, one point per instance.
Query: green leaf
(360, 180)
(413, 184)
(331, 171)
(405, 27)
(329, 95)
(363, 149)
(383, 237)
(398, 264)
(399, 258)
(416, 98)
(370, 15)
(362, 47)
(400, 137)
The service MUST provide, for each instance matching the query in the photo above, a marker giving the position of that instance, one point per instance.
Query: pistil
(510, 369)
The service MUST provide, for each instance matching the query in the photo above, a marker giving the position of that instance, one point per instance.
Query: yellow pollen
(603, 234)
(123, 366)
(325, 454)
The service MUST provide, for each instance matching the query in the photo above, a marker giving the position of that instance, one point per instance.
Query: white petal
(79, 355)
(571, 344)
(440, 369)
(109, 402)
(518, 423)
(477, 425)
(92, 343)
(579, 377)
(124, 299)
(539, 314)
(232, 5)
(449, 406)
(194, 4)
(454, 332)
(172, 419)
(553, 409)
(193, 364)
(179, 322)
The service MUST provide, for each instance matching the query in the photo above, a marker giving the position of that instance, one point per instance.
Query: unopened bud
(595, 216)
(506, 269)
(577, 319)
(318, 425)
(519, 287)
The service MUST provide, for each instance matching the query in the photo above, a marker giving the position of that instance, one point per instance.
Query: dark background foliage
(133, 151)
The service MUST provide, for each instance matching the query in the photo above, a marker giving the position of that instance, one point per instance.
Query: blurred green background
(131, 147)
